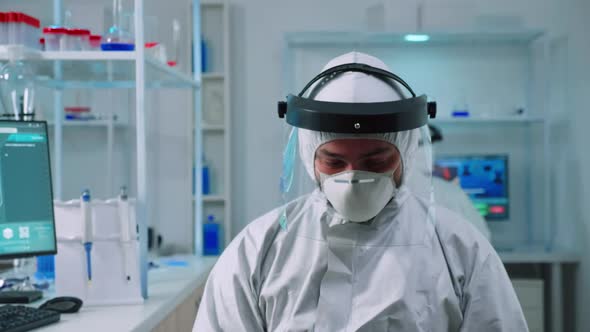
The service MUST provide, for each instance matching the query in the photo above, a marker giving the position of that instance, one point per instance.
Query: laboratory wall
(259, 76)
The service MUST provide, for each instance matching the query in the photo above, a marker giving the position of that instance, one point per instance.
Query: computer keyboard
(18, 318)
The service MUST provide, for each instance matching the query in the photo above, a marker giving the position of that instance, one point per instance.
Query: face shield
(358, 139)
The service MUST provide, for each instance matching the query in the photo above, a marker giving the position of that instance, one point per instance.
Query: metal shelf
(213, 76)
(83, 55)
(88, 124)
(97, 69)
(211, 4)
(215, 135)
(213, 128)
(489, 120)
(532, 255)
(324, 39)
(213, 199)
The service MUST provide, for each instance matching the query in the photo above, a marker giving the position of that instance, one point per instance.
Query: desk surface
(168, 287)
(538, 256)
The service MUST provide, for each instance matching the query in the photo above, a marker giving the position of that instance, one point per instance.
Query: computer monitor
(27, 226)
(484, 179)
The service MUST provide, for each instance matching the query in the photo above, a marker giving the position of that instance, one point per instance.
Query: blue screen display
(483, 178)
(26, 201)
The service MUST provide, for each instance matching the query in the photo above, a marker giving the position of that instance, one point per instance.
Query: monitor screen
(27, 225)
(483, 178)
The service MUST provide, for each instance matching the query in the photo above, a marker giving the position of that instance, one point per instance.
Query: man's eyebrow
(327, 153)
(376, 152)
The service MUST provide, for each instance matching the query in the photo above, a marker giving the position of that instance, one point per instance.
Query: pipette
(125, 229)
(87, 232)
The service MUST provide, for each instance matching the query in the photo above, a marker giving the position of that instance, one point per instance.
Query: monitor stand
(22, 289)
(20, 296)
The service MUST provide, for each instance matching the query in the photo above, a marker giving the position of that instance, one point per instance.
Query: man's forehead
(355, 147)
(364, 142)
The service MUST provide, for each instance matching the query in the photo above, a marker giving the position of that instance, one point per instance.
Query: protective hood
(357, 87)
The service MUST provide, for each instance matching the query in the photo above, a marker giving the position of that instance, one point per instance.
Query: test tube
(3, 32)
(35, 25)
(13, 27)
(53, 37)
(78, 39)
(94, 42)
(29, 27)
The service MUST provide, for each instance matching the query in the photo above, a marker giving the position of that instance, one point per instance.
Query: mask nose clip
(354, 181)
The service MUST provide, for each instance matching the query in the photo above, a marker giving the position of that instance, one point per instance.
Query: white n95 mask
(358, 195)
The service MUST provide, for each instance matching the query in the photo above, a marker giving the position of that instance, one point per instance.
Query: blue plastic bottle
(206, 178)
(45, 268)
(204, 68)
(211, 237)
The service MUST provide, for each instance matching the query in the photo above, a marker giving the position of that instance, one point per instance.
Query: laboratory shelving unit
(216, 105)
(117, 70)
(489, 120)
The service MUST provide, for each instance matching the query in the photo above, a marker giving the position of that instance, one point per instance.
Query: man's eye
(334, 163)
(377, 164)
(380, 162)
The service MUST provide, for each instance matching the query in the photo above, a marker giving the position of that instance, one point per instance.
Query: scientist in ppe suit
(362, 252)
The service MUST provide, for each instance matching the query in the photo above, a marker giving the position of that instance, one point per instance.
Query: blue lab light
(416, 38)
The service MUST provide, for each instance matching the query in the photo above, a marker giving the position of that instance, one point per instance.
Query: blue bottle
(206, 178)
(211, 237)
(204, 68)
(45, 268)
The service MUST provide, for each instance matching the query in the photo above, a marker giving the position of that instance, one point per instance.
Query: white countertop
(537, 256)
(168, 287)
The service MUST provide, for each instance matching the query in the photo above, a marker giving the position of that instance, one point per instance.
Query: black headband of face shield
(361, 118)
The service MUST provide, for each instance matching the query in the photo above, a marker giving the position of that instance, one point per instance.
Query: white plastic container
(54, 38)
(78, 40)
(34, 32)
(157, 51)
(94, 42)
(3, 29)
(29, 31)
(13, 28)
(19, 29)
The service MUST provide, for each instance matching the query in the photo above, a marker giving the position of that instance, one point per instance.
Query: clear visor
(311, 157)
